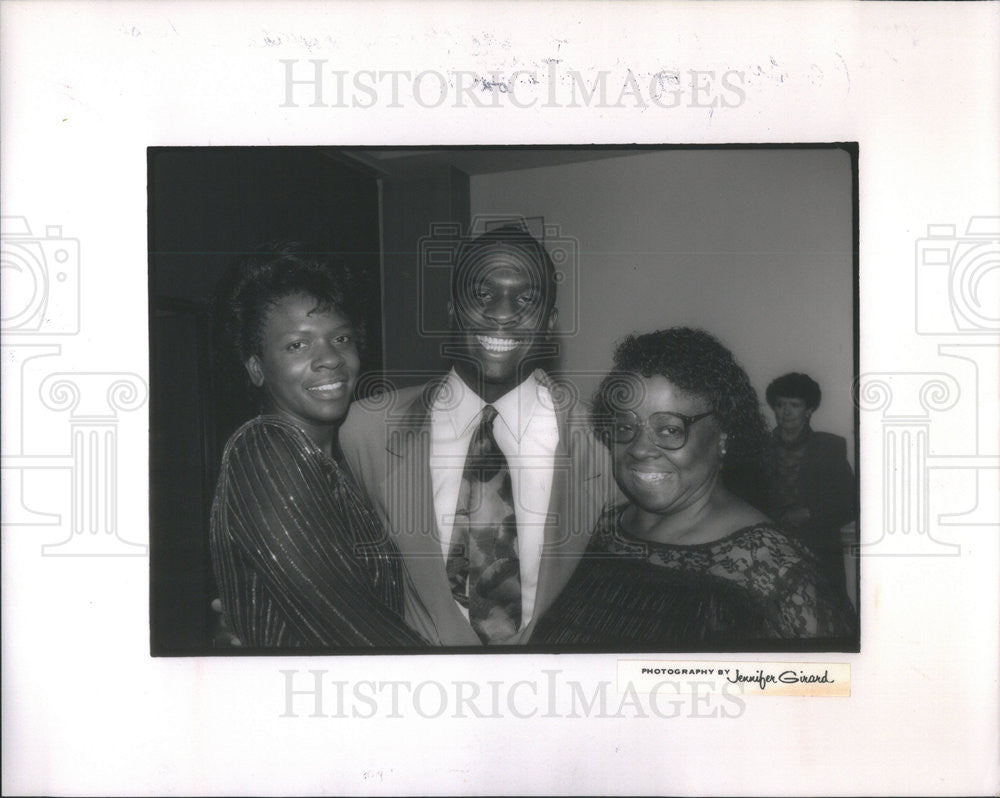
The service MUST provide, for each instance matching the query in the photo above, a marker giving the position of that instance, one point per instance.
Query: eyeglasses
(667, 430)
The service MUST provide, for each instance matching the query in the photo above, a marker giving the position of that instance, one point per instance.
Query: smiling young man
(489, 481)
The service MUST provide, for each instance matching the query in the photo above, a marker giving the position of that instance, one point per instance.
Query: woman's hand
(222, 634)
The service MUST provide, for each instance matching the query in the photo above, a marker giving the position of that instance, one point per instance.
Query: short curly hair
(795, 385)
(259, 280)
(694, 361)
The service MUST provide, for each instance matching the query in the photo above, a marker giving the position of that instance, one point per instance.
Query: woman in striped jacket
(300, 557)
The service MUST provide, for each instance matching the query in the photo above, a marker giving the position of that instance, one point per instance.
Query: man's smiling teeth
(496, 344)
(330, 387)
(649, 477)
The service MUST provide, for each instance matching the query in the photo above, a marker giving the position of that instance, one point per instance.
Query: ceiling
(414, 161)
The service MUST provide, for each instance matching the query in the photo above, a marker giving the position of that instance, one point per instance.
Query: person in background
(300, 558)
(683, 563)
(811, 488)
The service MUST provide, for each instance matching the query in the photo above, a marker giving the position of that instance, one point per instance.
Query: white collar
(462, 406)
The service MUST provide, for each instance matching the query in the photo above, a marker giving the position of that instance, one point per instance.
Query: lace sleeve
(276, 513)
(799, 602)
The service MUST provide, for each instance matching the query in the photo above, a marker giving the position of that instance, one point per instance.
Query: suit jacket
(386, 443)
(826, 486)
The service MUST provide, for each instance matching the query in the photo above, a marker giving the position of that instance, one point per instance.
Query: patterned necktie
(483, 566)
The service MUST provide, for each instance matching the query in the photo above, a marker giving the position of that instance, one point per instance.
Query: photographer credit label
(827, 679)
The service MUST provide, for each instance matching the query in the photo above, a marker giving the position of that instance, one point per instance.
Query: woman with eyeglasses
(683, 562)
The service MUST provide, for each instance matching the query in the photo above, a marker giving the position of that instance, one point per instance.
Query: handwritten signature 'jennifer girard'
(762, 679)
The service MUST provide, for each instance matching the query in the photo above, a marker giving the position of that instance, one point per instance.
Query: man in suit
(414, 451)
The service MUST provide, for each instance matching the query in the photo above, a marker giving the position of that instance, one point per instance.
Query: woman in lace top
(685, 564)
(299, 557)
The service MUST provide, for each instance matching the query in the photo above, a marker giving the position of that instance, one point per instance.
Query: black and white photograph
(448, 398)
(496, 398)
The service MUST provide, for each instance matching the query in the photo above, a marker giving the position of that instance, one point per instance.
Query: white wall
(752, 245)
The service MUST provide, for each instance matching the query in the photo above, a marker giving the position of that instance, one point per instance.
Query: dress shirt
(527, 433)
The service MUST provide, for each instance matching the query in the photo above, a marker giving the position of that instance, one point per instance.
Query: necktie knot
(489, 416)
(485, 458)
